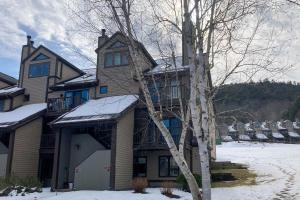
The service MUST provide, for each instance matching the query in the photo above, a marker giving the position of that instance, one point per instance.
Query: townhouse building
(90, 129)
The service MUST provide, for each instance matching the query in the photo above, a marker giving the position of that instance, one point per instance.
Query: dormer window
(38, 70)
(40, 57)
(116, 59)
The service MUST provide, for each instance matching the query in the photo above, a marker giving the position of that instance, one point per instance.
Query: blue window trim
(103, 89)
(47, 64)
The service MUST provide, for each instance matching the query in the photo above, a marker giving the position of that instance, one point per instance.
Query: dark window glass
(168, 167)
(164, 166)
(174, 126)
(76, 98)
(118, 45)
(1, 105)
(40, 57)
(103, 89)
(37, 70)
(140, 166)
(109, 59)
(117, 58)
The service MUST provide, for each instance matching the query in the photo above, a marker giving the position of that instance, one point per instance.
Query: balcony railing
(153, 141)
(60, 105)
(169, 94)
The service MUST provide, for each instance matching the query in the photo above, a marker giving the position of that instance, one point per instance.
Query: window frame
(169, 168)
(101, 87)
(134, 163)
(32, 64)
(113, 53)
(45, 57)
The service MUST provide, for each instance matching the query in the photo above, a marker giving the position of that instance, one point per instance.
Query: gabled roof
(140, 45)
(87, 80)
(106, 108)
(8, 79)
(21, 115)
(11, 91)
(58, 56)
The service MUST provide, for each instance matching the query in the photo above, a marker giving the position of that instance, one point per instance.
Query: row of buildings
(277, 131)
(89, 128)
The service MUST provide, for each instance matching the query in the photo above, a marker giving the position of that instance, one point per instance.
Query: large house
(89, 129)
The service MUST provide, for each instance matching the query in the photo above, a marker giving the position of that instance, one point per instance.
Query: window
(118, 45)
(1, 105)
(76, 98)
(37, 70)
(168, 167)
(174, 126)
(40, 57)
(103, 89)
(140, 166)
(116, 59)
(175, 89)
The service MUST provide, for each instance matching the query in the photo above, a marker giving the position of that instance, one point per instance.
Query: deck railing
(64, 104)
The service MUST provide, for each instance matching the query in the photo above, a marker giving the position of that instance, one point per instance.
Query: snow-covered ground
(277, 166)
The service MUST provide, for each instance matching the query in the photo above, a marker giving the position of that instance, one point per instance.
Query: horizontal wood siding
(18, 101)
(124, 152)
(3, 84)
(25, 158)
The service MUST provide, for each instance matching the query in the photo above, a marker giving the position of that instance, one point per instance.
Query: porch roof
(21, 114)
(106, 108)
(167, 65)
(8, 91)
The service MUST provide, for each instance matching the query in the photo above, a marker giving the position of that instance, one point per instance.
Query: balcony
(64, 104)
(148, 141)
(169, 95)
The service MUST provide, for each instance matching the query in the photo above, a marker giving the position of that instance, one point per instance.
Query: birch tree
(214, 44)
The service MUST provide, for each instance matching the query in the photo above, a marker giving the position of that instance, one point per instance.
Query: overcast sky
(47, 22)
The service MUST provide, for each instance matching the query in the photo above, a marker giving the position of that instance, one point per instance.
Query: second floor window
(174, 126)
(75, 98)
(116, 59)
(38, 70)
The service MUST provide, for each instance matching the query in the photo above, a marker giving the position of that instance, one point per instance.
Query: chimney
(28, 40)
(187, 35)
(102, 38)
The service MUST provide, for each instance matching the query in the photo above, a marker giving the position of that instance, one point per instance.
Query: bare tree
(214, 43)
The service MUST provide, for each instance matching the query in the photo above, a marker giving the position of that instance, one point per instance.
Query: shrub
(139, 185)
(183, 183)
(167, 188)
(20, 185)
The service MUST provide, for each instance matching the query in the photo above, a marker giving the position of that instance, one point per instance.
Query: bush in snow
(14, 185)
(167, 188)
(139, 184)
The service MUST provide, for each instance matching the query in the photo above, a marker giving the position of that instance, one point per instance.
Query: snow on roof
(244, 137)
(263, 126)
(89, 76)
(294, 135)
(280, 127)
(261, 136)
(9, 90)
(295, 125)
(19, 114)
(248, 127)
(277, 135)
(227, 138)
(165, 65)
(231, 128)
(99, 109)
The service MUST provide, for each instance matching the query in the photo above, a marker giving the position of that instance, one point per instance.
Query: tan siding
(124, 152)
(36, 87)
(26, 149)
(3, 84)
(118, 79)
(18, 101)
(67, 73)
